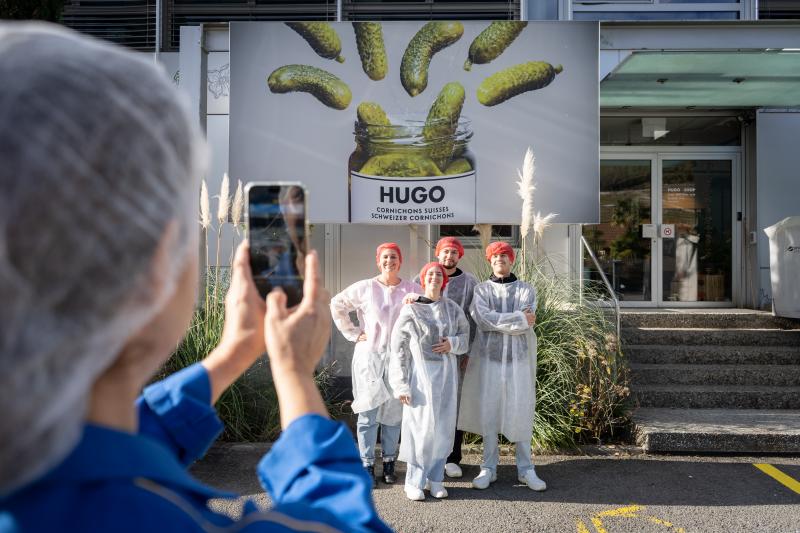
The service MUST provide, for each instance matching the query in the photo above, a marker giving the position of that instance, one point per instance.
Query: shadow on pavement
(584, 480)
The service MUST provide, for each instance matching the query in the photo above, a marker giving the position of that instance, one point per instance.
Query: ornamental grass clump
(582, 376)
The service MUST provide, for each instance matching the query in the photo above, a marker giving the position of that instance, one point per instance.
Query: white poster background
(294, 137)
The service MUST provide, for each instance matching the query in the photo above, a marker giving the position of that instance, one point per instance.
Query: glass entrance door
(667, 229)
(696, 230)
(624, 253)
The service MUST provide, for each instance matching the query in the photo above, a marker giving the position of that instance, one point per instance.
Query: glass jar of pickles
(411, 147)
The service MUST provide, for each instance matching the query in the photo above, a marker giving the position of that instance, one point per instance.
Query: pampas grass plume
(541, 223)
(205, 209)
(525, 189)
(238, 206)
(224, 200)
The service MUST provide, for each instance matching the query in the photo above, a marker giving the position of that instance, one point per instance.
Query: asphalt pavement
(604, 490)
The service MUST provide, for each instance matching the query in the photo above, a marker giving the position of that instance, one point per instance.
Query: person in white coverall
(377, 302)
(459, 288)
(423, 373)
(499, 391)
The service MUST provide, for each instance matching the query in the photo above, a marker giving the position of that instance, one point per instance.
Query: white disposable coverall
(499, 391)
(429, 378)
(377, 307)
(460, 289)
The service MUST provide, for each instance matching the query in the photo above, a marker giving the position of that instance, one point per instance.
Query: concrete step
(711, 336)
(718, 430)
(713, 355)
(717, 396)
(658, 374)
(692, 318)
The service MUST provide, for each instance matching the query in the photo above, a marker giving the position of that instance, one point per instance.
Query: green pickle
(431, 38)
(493, 41)
(515, 80)
(458, 166)
(442, 122)
(321, 37)
(323, 85)
(401, 165)
(371, 49)
(372, 116)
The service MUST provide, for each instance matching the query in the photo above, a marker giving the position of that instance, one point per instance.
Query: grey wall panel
(778, 185)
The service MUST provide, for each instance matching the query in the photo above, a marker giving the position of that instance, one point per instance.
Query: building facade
(699, 121)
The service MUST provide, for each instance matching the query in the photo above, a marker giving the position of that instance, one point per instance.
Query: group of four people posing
(415, 341)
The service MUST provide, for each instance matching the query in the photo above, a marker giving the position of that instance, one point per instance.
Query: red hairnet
(388, 246)
(429, 266)
(499, 248)
(450, 242)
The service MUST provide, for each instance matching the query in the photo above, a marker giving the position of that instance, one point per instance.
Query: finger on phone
(311, 281)
(276, 304)
(241, 261)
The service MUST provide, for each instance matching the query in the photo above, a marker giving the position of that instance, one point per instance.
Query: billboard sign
(419, 122)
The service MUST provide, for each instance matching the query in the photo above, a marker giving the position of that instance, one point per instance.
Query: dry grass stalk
(223, 209)
(205, 223)
(237, 208)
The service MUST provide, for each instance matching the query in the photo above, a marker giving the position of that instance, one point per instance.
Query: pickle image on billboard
(415, 122)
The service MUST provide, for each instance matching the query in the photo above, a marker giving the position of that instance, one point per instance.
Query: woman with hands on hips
(423, 373)
(376, 302)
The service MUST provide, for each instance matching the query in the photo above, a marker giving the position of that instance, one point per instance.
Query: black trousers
(455, 455)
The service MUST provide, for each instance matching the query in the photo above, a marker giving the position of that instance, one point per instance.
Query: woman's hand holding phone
(296, 339)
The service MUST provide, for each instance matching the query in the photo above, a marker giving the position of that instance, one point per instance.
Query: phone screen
(276, 218)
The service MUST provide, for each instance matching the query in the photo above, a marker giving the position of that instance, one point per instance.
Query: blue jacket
(123, 482)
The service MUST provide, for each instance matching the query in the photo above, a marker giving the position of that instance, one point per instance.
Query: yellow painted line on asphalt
(785, 480)
(627, 512)
(598, 525)
(630, 511)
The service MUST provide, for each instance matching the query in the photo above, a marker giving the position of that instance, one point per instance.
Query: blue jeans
(491, 455)
(367, 429)
(417, 474)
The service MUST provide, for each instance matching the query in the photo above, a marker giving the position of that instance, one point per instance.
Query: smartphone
(277, 228)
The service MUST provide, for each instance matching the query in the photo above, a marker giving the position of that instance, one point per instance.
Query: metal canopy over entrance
(719, 79)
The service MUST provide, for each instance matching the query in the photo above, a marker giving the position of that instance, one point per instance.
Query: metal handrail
(585, 243)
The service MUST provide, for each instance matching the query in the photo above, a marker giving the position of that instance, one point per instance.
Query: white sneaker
(532, 480)
(437, 489)
(453, 470)
(483, 479)
(414, 494)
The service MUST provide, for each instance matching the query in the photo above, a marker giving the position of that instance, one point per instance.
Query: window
(778, 9)
(673, 131)
(130, 23)
(190, 12)
(430, 10)
(659, 9)
(471, 238)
